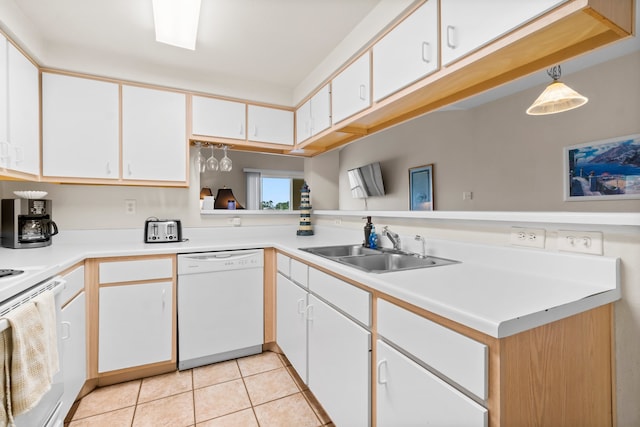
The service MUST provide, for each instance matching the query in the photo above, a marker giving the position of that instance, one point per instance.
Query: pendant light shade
(557, 97)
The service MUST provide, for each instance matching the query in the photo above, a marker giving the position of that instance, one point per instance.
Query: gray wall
(510, 161)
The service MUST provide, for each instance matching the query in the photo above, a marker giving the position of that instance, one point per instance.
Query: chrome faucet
(395, 239)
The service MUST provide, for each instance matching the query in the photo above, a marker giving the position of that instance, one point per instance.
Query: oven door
(47, 412)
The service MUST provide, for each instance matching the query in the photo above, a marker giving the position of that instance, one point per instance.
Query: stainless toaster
(162, 230)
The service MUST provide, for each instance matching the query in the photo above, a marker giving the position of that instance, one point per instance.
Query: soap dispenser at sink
(367, 232)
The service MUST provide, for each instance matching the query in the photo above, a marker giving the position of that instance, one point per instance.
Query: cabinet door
(135, 325)
(80, 127)
(4, 130)
(24, 113)
(409, 395)
(303, 122)
(408, 53)
(217, 117)
(339, 365)
(467, 25)
(350, 89)
(291, 323)
(74, 349)
(320, 110)
(270, 125)
(154, 139)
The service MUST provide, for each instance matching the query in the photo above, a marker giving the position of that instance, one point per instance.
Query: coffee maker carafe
(26, 223)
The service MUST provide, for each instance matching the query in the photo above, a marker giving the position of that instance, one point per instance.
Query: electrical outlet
(236, 221)
(531, 237)
(584, 242)
(130, 207)
(337, 221)
(467, 195)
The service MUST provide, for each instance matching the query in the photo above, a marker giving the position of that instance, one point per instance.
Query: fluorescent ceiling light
(176, 22)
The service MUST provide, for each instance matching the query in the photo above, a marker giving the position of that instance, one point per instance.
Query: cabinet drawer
(461, 359)
(75, 283)
(284, 264)
(353, 301)
(300, 273)
(409, 395)
(136, 270)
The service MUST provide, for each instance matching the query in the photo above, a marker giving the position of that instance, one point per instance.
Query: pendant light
(557, 97)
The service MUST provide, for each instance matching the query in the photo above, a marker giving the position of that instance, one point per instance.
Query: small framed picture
(421, 188)
(603, 170)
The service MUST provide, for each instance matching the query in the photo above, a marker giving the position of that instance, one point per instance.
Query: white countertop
(496, 290)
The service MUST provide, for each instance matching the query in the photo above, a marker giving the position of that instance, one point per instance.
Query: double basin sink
(381, 260)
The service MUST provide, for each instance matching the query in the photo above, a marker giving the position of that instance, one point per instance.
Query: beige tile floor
(255, 391)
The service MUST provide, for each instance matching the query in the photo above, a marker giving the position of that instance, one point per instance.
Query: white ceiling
(254, 43)
(278, 42)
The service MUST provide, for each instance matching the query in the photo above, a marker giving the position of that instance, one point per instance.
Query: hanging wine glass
(199, 162)
(212, 162)
(225, 163)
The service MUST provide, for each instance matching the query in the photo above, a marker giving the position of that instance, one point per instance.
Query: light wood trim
(543, 368)
(136, 372)
(91, 274)
(120, 133)
(616, 13)
(92, 287)
(270, 307)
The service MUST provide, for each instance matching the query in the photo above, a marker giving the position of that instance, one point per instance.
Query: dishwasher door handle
(220, 257)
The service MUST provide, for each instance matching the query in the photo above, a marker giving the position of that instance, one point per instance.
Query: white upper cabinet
(303, 122)
(408, 53)
(80, 127)
(23, 113)
(4, 130)
(218, 117)
(467, 25)
(314, 116)
(351, 89)
(154, 136)
(270, 125)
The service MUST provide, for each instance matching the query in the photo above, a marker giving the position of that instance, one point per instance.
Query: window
(273, 190)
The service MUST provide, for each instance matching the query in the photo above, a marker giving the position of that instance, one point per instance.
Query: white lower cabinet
(73, 333)
(339, 365)
(409, 395)
(329, 351)
(291, 323)
(136, 325)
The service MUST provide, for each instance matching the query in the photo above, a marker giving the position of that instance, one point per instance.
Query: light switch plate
(530, 237)
(584, 242)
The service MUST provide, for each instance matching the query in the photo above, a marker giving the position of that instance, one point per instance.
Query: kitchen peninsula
(497, 297)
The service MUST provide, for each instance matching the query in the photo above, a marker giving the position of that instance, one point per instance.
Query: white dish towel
(30, 356)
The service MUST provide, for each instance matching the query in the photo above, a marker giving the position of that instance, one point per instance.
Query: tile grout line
(253, 408)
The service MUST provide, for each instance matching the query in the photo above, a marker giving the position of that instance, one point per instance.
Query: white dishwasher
(220, 306)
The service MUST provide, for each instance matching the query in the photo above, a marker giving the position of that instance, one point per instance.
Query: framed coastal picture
(603, 170)
(421, 188)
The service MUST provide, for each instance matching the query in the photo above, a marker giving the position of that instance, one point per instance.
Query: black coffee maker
(26, 223)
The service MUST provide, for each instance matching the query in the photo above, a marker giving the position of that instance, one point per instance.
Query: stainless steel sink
(340, 251)
(376, 260)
